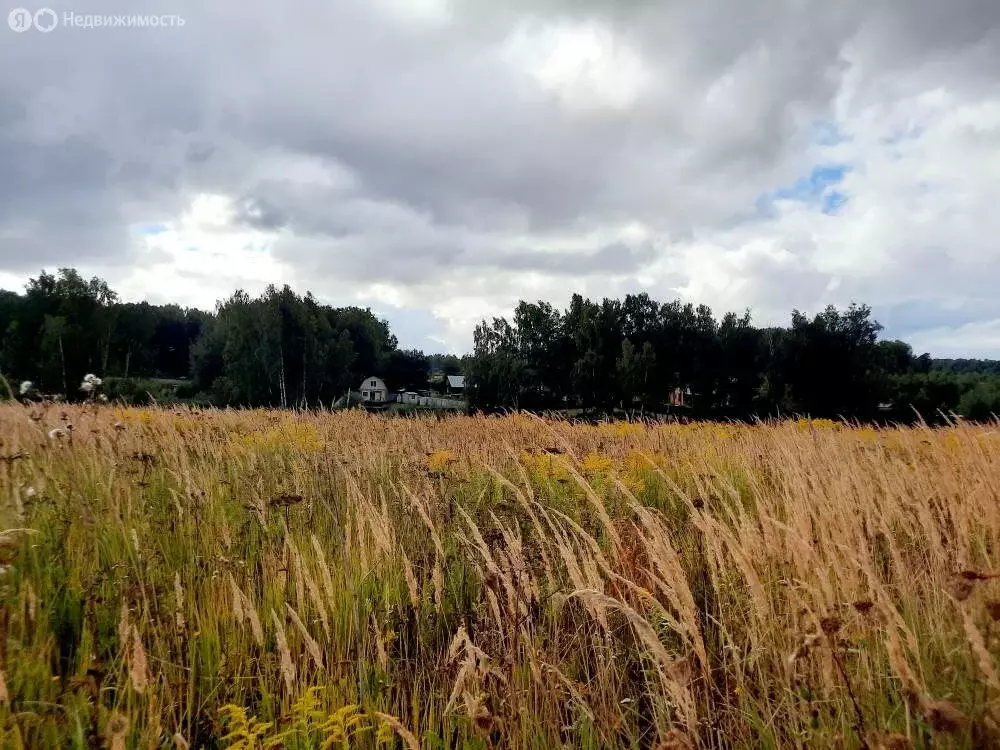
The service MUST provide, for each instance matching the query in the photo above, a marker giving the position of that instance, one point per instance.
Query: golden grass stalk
(408, 738)
(311, 645)
(285, 656)
(781, 584)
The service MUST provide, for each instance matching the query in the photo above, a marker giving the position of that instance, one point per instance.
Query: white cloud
(422, 14)
(200, 257)
(981, 339)
(442, 159)
(584, 64)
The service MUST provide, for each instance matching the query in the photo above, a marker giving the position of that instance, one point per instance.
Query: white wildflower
(57, 434)
(29, 492)
(27, 387)
(90, 383)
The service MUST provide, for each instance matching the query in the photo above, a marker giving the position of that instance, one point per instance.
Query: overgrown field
(257, 578)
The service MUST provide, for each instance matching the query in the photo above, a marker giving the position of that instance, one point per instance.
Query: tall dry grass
(254, 578)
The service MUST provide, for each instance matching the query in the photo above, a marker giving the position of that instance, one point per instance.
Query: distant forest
(634, 356)
(279, 349)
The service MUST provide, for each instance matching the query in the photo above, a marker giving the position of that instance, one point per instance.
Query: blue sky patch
(152, 229)
(815, 188)
(832, 201)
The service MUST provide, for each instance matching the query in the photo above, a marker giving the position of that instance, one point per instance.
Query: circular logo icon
(45, 20)
(19, 20)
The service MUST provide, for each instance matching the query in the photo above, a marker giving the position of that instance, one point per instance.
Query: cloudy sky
(437, 160)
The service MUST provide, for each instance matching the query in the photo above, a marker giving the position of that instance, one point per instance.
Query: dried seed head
(311, 645)
(255, 627)
(681, 671)
(944, 716)
(237, 597)
(283, 501)
(411, 582)
(485, 723)
(115, 731)
(675, 740)
(124, 626)
(118, 724)
(138, 666)
(804, 648)
(863, 606)
(912, 688)
(993, 607)
(831, 625)
(890, 741)
(287, 665)
(962, 589)
(178, 602)
(978, 575)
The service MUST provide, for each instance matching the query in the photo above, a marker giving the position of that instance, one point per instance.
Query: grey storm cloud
(380, 143)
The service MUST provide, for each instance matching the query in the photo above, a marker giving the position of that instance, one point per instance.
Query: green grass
(212, 578)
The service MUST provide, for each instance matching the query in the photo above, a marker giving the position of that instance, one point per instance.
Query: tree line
(633, 355)
(643, 356)
(277, 349)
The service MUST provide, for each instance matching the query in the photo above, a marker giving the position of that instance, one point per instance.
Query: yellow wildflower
(621, 429)
(633, 483)
(867, 434)
(440, 460)
(595, 463)
(289, 435)
(636, 462)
